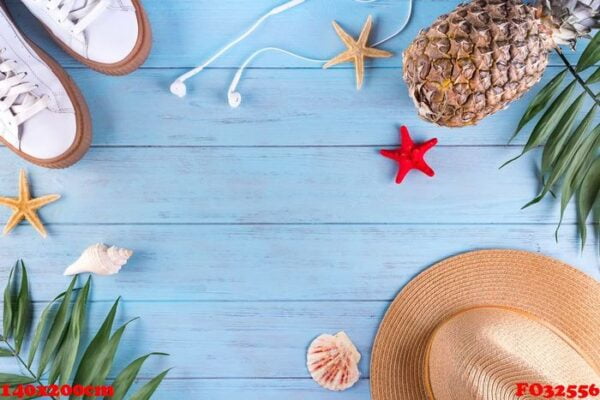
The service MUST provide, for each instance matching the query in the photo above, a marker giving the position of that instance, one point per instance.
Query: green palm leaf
(548, 122)
(6, 353)
(569, 156)
(60, 346)
(73, 337)
(12, 379)
(9, 301)
(149, 388)
(540, 101)
(109, 353)
(594, 78)
(559, 136)
(125, 379)
(57, 330)
(591, 54)
(573, 177)
(39, 331)
(550, 118)
(587, 195)
(23, 310)
(91, 362)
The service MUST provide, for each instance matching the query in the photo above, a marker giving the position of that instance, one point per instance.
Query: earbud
(233, 96)
(234, 99)
(178, 88)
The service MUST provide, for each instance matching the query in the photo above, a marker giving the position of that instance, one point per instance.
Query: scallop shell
(332, 361)
(101, 260)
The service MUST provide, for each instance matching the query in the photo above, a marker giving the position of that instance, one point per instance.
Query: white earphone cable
(179, 88)
(235, 98)
(401, 29)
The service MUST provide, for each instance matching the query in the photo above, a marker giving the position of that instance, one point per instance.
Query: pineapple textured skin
(476, 60)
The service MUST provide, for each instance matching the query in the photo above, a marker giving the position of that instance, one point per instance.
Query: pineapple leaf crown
(570, 20)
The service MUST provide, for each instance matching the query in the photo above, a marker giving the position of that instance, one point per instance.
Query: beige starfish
(25, 207)
(357, 51)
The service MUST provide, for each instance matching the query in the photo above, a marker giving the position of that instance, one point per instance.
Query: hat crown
(483, 352)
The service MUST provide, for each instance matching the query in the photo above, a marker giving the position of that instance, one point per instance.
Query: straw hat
(475, 325)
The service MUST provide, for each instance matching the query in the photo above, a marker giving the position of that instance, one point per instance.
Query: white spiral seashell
(332, 361)
(101, 260)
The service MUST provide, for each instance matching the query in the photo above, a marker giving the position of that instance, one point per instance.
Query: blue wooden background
(257, 229)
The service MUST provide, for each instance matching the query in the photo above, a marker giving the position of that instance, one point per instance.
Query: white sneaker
(43, 117)
(110, 36)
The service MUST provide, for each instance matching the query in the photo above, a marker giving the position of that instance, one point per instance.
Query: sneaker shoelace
(18, 103)
(77, 15)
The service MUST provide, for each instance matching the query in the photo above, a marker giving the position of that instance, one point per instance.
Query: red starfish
(410, 156)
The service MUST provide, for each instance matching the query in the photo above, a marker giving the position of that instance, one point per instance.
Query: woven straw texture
(551, 293)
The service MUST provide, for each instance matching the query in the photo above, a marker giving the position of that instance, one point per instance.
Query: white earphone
(286, 6)
(178, 87)
(234, 98)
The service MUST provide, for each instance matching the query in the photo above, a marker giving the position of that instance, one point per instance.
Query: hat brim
(546, 288)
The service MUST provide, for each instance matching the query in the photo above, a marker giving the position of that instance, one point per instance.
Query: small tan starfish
(357, 51)
(25, 207)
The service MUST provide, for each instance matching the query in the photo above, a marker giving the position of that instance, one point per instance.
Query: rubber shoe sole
(133, 61)
(83, 134)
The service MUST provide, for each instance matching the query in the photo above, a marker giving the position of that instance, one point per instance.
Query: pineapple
(487, 53)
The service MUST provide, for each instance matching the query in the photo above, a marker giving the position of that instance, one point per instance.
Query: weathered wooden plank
(258, 389)
(251, 389)
(285, 185)
(187, 32)
(260, 263)
(239, 340)
(281, 108)
(232, 339)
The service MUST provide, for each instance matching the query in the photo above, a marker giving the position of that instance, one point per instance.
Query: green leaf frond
(57, 338)
(570, 162)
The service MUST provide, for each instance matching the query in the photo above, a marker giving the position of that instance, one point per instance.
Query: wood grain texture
(273, 262)
(286, 185)
(190, 31)
(261, 389)
(257, 229)
(275, 110)
(235, 339)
